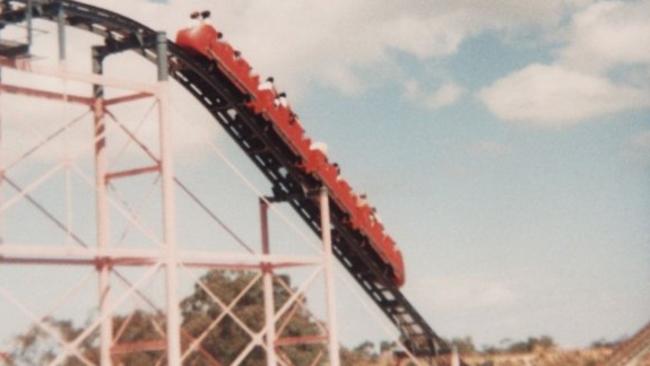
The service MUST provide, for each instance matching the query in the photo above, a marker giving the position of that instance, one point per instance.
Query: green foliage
(37, 347)
(602, 342)
(199, 311)
(223, 342)
(531, 344)
(464, 346)
(386, 346)
(140, 326)
(228, 339)
(362, 354)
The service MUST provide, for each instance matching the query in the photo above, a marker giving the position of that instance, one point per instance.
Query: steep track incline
(262, 145)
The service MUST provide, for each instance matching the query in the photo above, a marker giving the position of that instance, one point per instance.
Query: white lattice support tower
(101, 257)
(109, 258)
(326, 262)
(169, 206)
(102, 212)
(2, 172)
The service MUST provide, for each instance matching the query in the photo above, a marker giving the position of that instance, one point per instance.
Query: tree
(602, 342)
(36, 346)
(524, 346)
(362, 354)
(464, 346)
(137, 327)
(223, 343)
(386, 346)
(227, 340)
(543, 342)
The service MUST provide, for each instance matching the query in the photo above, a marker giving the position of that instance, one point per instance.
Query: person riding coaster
(264, 100)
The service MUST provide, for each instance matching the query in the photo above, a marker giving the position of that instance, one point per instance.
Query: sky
(506, 146)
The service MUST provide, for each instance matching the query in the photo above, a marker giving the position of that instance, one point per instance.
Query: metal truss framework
(313, 206)
(109, 259)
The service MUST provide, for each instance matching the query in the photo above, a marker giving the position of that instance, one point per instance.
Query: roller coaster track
(633, 348)
(266, 149)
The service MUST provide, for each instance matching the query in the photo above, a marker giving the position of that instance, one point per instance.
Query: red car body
(206, 41)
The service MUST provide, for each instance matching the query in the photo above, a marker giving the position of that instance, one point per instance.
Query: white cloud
(445, 95)
(464, 292)
(555, 96)
(305, 43)
(608, 34)
(327, 42)
(577, 86)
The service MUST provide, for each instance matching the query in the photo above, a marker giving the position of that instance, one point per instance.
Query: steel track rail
(261, 144)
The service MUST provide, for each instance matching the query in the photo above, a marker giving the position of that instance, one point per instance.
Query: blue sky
(549, 225)
(506, 147)
(503, 146)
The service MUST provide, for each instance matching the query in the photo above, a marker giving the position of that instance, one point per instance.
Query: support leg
(103, 229)
(60, 26)
(2, 170)
(269, 305)
(169, 206)
(28, 21)
(326, 232)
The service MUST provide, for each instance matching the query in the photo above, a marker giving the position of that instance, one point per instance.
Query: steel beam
(102, 214)
(27, 66)
(126, 98)
(169, 205)
(60, 27)
(269, 306)
(39, 93)
(132, 172)
(326, 235)
(129, 256)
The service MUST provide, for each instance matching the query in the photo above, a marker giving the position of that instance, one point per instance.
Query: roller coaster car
(329, 174)
(287, 125)
(222, 52)
(263, 101)
(205, 40)
(314, 161)
(345, 194)
(198, 39)
(397, 261)
(243, 72)
(281, 116)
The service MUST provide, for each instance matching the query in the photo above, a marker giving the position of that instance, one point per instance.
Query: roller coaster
(270, 134)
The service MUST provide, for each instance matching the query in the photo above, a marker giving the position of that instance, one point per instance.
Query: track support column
(28, 20)
(326, 235)
(60, 27)
(455, 359)
(2, 170)
(103, 214)
(169, 205)
(269, 304)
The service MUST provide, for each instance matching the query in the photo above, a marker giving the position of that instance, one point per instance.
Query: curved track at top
(261, 144)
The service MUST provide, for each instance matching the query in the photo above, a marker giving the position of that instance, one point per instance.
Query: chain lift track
(262, 145)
